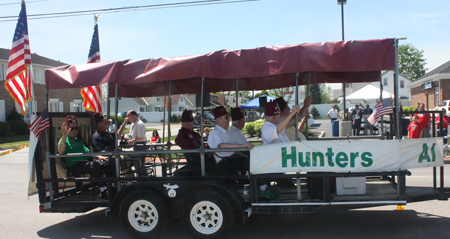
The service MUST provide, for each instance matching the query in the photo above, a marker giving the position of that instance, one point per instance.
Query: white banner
(347, 156)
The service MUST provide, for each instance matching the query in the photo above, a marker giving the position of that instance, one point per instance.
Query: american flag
(92, 94)
(382, 108)
(40, 124)
(18, 78)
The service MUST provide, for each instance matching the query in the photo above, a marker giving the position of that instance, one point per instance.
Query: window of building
(158, 108)
(77, 106)
(402, 84)
(53, 105)
(2, 72)
(385, 81)
(436, 96)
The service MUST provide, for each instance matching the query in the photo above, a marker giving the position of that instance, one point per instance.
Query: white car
(445, 105)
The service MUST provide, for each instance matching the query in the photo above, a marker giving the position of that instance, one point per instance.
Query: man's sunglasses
(73, 128)
(225, 117)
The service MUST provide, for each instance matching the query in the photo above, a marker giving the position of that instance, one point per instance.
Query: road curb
(14, 149)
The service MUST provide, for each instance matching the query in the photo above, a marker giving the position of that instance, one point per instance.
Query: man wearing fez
(273, 130)
(101, 138)
(303, 114)
(188, 139)
(71, 142)
(220, 138)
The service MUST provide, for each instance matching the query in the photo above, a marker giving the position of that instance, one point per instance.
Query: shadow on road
(349, 224)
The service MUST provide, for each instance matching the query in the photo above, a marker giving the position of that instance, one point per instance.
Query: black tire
(145, 214)
(208, 214)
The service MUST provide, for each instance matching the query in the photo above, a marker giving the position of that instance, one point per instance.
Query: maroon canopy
(257, 69)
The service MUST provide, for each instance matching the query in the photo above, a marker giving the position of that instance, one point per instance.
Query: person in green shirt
(71, 142)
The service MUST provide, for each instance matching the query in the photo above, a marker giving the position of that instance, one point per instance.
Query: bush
(19, 127)
(315, 113)
(249, 128)
(119, 120)
(14, 115)
(174, 118)
(5, 129)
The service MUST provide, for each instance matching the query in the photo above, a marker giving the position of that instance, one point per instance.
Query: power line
(123, 9)
(14, 3)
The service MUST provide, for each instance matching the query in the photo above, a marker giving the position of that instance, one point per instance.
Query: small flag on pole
(18, 76)
(40, 124)
(92, 94)
(382, 108)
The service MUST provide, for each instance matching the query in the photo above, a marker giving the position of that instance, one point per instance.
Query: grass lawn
(13, 141)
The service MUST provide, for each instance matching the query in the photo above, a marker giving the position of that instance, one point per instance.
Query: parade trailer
(353, 173)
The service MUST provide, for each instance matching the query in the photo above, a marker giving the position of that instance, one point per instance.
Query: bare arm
(225, 145)
(301, 126)
(122, 127)
(62, 146)
(284, 123)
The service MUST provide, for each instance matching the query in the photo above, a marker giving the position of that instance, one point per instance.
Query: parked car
(252, 116)
(445, 105)
(208, 119)
(124, 115)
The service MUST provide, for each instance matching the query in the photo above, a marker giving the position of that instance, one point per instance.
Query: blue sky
(202, 29)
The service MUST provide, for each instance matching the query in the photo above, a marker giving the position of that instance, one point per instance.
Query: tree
(315, 92)
(263, 92)
(411, 62)
(326, 94)
(286, 92)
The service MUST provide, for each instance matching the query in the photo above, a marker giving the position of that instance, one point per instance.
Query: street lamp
(342, 3)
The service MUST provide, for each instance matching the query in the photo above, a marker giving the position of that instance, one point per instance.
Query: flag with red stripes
(382, 108)
(92, 95)
(18, 77)
(40, 124)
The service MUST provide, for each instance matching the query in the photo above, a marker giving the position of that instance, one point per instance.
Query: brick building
(432, 88)
(64, 100)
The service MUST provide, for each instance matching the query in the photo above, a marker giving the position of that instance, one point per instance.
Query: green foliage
(14, 115)
(286, 92)
(315, 113)
(409, 108)
(119, 120)
(326, 94)
(263, 92)
(411, 63)
(253, 128)
(5, 129)
(315, 92)
(19, 127)
(174, 118)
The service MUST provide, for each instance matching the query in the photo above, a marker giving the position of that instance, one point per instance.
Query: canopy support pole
(398, 132)
(296, 102)
(108, 111)
(48, 152)
(381, 99)
(307, 112)
(344, 114)
(202, 146)
(169, 112)
(116, 145)
(237, 92)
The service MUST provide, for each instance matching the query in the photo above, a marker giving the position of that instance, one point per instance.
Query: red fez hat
(71, 120)
(220, 111)
(98, 117)
(187, 116)
(281, 103)
(236, 114)
(272, 109)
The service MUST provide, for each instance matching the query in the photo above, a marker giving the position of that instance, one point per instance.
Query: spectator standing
(155, 137)
(356, 117)
(445, 122)
(333, 113)
(415, 129)
(424, 120)
(366, 113)
(111, 126)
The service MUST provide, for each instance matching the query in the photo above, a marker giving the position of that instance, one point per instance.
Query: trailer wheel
(145, 214)
(207, 214)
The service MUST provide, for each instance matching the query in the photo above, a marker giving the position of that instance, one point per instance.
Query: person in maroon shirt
(424, 120)
(188, 139)
(414, 128)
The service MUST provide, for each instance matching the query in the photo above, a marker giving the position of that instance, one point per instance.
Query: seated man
(71, 142)
(273, 130)
(188, 139)
(285, 111)
(101, 138)
(235, 130)
(220, 138)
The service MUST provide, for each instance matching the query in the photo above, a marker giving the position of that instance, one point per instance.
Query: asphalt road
(20, 217)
